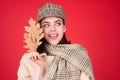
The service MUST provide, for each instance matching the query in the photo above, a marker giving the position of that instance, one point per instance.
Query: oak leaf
(33, 35)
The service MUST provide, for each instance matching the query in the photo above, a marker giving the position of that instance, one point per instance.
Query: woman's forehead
(51, 19)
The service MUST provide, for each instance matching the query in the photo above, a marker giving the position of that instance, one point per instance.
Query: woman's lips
(53, 36)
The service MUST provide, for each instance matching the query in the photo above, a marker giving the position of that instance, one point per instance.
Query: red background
(94, 24)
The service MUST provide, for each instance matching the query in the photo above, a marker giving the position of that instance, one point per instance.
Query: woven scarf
(68, 63)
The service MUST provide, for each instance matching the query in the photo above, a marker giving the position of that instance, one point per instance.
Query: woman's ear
(64, 28)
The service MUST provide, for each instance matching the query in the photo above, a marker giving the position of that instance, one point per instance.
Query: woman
(64, 61)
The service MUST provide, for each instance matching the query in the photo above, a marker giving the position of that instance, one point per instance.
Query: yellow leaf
(33, 36)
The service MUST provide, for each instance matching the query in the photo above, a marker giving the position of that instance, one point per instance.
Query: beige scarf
(69, 61)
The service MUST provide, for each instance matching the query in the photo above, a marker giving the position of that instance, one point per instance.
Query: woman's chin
(53, 42)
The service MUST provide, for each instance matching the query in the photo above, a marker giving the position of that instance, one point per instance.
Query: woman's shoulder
(79, 46)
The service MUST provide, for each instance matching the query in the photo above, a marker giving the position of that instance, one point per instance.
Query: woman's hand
(38, 63)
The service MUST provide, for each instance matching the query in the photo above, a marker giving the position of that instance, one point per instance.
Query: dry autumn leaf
(33, 35)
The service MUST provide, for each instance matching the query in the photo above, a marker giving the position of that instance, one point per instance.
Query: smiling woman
(54, 29)
(64, 61)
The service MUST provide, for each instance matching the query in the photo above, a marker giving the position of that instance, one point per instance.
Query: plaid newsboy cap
(50, 9)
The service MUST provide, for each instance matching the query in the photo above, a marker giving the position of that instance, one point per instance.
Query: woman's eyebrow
(45, 22)
(58, 21)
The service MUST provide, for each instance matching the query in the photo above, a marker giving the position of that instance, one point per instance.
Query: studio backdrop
(93, 24)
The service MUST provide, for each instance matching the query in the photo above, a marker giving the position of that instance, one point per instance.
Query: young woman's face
(54, 29)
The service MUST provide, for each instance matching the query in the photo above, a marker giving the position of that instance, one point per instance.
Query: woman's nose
(53, 28)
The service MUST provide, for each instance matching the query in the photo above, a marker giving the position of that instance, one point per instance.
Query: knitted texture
(51, 10)
(69, 61)
(69, 64)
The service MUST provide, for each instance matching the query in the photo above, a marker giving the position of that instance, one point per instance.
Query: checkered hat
(51, 10)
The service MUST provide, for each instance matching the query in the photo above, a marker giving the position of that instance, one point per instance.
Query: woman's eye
(58, 24)
(46, 25)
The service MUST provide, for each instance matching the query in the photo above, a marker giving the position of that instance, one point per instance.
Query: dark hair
(42, 49)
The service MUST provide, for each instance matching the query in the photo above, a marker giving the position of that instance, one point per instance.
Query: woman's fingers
(36, 59)
(33, 55)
